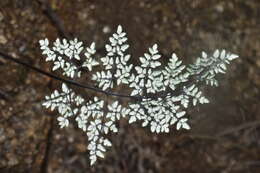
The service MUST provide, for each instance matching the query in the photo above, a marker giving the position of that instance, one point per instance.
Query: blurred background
(225, 134)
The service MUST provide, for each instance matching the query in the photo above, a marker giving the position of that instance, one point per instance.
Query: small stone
(13, 162)
(3, 40)
(258, 63)
(106, 29)
(2, 135)
(219, 8)
(1, 16)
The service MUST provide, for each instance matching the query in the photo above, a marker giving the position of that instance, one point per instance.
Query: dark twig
(238, 128)
(45, 162)
(54, 18)
(57, 22)
(4, 95)
(226, 132)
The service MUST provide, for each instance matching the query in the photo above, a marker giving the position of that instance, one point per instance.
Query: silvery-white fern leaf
(157, 96)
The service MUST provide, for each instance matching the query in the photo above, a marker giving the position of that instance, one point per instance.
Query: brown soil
(225, 134)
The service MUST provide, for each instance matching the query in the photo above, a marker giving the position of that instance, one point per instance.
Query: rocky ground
(225, 134)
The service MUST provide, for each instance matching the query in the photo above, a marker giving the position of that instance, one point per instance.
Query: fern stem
(67, 81)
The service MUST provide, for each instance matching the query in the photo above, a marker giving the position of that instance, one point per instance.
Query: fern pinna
(158, 96)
